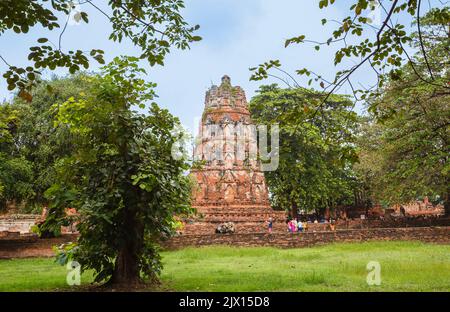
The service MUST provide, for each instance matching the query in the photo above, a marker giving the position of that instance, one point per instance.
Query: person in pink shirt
(292, 226)
(289, 226)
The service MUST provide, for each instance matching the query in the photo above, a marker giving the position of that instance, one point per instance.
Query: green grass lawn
(405, 266)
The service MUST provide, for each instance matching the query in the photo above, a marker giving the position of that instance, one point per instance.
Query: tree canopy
(15, 171)
(402, 146)
(154, 26)
(111, 163)
(316, 152)
(412, 118)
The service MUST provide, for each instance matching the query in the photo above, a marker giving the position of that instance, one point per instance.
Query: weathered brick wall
(17, 223)
(418, 221)
(247, 223)
(13, 245)
(289, 240)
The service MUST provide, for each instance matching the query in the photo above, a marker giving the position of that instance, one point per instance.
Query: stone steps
(204, 228)
(233, 208)
(230, 217)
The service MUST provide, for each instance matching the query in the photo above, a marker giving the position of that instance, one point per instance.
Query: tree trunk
(447, 203)
(126, 269)
(327, 213)
(294, 210)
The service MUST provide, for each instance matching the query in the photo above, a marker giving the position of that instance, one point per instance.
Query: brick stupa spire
(230, 184)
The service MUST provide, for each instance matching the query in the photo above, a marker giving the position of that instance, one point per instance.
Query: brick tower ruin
(230, 184)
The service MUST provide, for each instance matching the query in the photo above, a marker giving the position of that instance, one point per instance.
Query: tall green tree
(36, 139)
(122, 177)
(414, 116)
(403, 155)
(407, 49)
(15, 171)
(316, 152)
(369, 169)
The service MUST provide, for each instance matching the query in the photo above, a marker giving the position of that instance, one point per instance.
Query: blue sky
(237, 35)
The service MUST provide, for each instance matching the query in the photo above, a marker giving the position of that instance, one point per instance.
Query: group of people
(295, 225)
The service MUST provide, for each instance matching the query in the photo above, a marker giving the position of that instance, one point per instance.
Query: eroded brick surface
(439, 235)
(13, 245)
(230, 184)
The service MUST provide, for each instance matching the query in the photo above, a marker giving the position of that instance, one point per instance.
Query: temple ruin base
(247, 219)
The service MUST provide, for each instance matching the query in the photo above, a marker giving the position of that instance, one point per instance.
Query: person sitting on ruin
(270, 225)
(300, 226)
(402, 211)
(289, 226)
(332, 225)
(294, 225)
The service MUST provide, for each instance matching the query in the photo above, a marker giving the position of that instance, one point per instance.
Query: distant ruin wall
(17, 223)
(398, 222)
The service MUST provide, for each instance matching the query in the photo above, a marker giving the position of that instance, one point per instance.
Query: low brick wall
(13, 245)
(17, 223)
(397, 222)
(292, 240)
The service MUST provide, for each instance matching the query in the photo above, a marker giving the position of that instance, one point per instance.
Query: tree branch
(351, 71)
(421, 41)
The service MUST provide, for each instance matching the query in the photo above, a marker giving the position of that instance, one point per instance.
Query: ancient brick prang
(230, 184)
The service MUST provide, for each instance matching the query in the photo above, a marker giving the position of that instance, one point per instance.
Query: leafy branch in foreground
(383, 47)
(152, 25)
